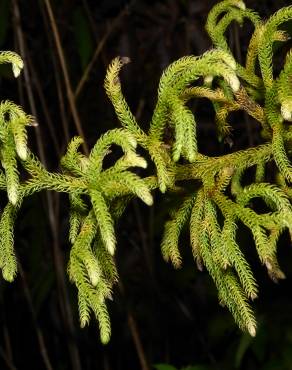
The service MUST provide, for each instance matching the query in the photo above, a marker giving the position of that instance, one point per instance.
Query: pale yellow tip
(148, 199)
(234, 83)
(286, 112)
(111, 247)
(241, 5)
(16, 68)
(21, 151)
(13, 195)
(252, 330)
(208, 80)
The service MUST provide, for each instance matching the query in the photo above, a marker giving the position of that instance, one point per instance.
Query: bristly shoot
(98, 196)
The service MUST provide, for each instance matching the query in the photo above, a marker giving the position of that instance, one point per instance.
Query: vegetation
(217, 194)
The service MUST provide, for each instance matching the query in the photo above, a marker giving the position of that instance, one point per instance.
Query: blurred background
(159, 315)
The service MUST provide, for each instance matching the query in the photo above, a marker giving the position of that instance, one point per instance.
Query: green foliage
(214, 197)
(164, 367)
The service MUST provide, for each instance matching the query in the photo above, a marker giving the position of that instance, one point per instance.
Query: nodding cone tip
(135, 160)
(105, 338)
(21, 150)
(162, 186)
(147, 198)
(281, 36)
(125, 60)
(94, 277)
(110, 246)
(7, 275)
(233, 81)
(141, 162)
(33, 123)
(286, 111)
(241, 5)
(12, 194)
(268, 264)
(83, 323)
(17, 67)
(208, 80)
(252, 330)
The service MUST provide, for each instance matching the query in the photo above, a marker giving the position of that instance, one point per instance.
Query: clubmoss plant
(219, 200)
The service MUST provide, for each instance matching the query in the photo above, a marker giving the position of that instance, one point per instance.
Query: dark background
(159, 315)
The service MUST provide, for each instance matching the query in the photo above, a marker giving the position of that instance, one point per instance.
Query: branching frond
(219, 196)
(14, 59)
